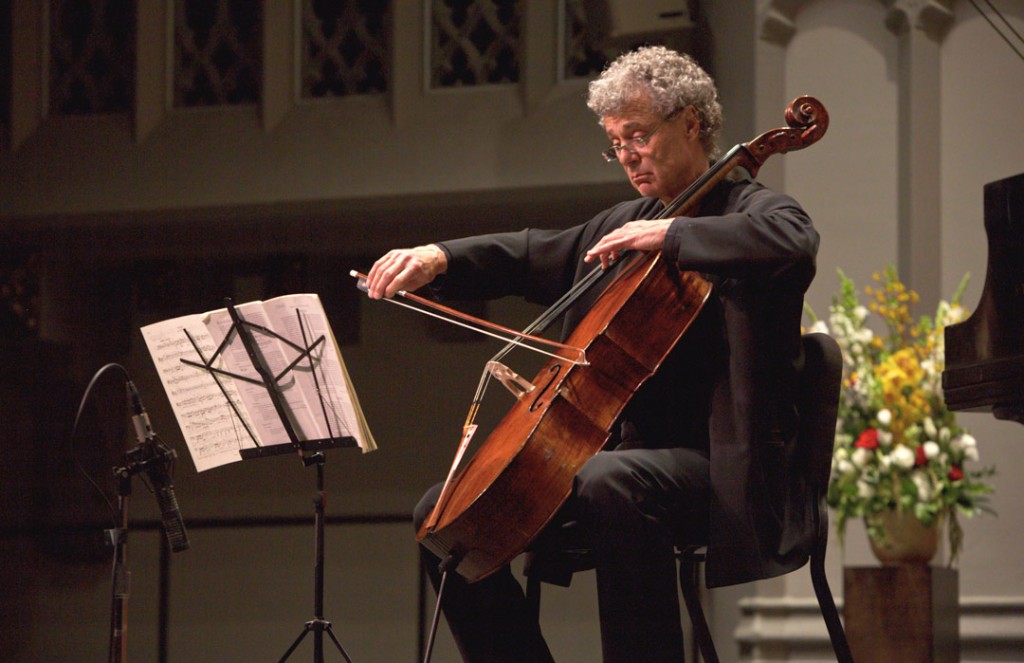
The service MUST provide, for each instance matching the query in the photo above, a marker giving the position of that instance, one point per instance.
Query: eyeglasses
(611, 154)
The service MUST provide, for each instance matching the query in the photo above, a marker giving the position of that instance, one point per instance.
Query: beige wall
(347, 178)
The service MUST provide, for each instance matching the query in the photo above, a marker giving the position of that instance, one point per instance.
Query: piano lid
(985, 353)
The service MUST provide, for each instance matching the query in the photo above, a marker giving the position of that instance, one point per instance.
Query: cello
(515, 483)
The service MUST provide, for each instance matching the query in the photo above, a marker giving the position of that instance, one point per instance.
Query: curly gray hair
(668, 80)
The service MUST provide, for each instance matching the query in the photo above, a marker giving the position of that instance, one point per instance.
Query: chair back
(821, 378)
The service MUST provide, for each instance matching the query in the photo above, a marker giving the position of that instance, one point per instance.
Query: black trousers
(631, 507)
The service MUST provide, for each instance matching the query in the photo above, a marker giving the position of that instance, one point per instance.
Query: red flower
(868, 439)
(920, 458)
(955, 473)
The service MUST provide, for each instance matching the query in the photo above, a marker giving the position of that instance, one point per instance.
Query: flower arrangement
(897, 448)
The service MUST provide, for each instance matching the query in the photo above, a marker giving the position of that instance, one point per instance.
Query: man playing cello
(698, 455)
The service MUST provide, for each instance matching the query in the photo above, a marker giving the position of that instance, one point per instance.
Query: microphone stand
(139, 459)
(120, 575)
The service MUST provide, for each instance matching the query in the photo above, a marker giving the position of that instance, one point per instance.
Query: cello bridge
(515, 383)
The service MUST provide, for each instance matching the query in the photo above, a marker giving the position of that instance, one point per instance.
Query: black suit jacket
(730, 384)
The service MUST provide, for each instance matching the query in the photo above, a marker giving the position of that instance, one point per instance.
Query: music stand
(310, 451)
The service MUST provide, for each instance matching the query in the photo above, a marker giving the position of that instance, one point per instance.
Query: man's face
(668, 156)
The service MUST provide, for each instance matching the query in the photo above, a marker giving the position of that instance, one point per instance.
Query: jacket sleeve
(757, 233)
(531, 263)
(539, 265)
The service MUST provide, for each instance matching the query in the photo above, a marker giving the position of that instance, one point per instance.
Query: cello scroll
(807, 120)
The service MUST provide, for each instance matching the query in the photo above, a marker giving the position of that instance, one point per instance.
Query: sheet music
(342, 413)
(212, 430)
(255, 397)
(210, 427)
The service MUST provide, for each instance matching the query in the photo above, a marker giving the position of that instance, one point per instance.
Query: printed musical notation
(219, 415)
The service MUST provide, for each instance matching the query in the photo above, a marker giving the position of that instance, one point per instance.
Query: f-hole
(538, 401)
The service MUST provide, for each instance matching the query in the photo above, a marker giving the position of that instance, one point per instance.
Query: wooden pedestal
(905, 613)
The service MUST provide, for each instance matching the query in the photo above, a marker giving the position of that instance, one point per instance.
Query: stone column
(776, 28)
(919, 26)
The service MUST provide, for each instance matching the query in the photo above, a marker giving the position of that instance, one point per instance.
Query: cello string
(729, 161)
(570, 297)
(719, 169)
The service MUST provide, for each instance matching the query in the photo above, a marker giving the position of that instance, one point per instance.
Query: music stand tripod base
(318, 625)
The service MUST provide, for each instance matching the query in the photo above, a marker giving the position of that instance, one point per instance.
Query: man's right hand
(405, 269)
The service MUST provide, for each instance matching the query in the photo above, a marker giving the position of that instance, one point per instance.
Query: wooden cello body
(521, 475)
(523, 472)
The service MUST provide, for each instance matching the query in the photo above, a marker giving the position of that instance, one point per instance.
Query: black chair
(556, 561)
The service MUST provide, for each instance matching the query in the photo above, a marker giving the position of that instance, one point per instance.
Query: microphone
(156, 458)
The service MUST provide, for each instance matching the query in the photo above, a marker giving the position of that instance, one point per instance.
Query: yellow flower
(891, 394)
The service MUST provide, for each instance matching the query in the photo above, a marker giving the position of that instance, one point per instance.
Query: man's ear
(692, 121)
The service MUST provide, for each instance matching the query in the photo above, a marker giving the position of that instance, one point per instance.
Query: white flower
(884, 417)
(929, 428)
(931, 449)
(965, 444)
(861, 313)
(819, 327)
(903, 457)
(845, 467)
(885, 438)
(950, 314)
(865, 490)
(923, 481)
(861, 457)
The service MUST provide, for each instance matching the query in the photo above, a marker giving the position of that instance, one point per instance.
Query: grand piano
(985, 353)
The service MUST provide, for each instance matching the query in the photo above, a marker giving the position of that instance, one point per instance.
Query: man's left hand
(634, 236)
